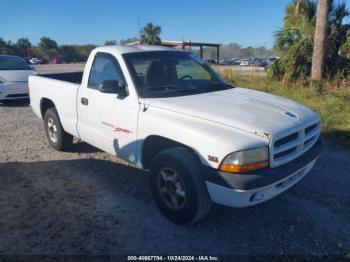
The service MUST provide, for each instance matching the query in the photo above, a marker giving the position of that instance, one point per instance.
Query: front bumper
(14, 90)
(251, 188)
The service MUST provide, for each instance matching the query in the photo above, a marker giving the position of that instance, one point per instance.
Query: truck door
(119, 116)
(108, 121)
(89, 106)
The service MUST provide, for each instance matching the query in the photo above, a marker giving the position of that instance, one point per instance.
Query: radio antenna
(143, 86)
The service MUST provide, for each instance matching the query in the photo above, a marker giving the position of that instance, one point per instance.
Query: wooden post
(201, 51)
(218, 54)
(320, 42)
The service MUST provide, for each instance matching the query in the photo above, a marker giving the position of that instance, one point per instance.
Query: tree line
(46, 49)
(313, 42)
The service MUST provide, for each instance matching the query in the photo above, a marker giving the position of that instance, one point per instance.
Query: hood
(253, 111)
(16, 75)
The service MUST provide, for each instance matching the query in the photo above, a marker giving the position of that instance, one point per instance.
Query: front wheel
(178, 187)
(58, 138)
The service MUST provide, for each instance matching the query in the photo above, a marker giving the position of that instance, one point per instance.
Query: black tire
(186, 164)
(62, 140)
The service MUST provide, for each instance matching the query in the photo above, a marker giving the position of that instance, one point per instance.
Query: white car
(245, 62)
(14, 73)
(35, 61)
(166, 111)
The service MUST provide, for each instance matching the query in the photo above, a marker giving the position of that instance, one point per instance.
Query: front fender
(210, 140)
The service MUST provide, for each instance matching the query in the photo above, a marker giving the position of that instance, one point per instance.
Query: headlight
(246, 160)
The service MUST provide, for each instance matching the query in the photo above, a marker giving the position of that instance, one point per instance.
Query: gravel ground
(85, 202)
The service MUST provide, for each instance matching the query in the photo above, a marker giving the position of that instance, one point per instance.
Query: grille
(289, 145)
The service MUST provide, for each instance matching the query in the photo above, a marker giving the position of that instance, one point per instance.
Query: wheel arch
(45, 103)
(155, 144)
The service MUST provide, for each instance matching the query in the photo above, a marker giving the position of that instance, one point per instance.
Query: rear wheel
(178, 187)
(58, 138)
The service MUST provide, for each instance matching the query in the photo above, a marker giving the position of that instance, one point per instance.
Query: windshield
(171, 73)
(13, 63)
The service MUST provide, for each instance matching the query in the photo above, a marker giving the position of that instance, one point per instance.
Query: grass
(332, 102)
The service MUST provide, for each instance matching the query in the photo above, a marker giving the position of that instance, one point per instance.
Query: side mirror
(113, 87)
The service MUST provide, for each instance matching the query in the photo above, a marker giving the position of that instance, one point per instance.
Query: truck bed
(72, 77)
(61, 90)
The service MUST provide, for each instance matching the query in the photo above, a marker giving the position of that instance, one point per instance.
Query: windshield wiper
(165, 88)
(209, 85)
(228, 85)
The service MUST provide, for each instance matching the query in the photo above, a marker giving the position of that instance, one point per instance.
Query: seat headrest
(156, 75)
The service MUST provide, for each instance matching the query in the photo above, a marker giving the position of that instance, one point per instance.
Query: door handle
(84, 101)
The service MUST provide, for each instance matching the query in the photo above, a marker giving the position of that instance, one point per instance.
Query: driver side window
(104, 67)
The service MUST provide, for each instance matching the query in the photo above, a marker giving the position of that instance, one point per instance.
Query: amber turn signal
(243, 168)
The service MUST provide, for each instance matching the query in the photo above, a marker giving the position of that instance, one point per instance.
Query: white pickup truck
(168, 112)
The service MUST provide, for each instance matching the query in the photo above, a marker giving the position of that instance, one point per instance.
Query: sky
(246, 22)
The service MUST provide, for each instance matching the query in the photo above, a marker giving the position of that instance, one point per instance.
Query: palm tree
(295, 40)
(320, 41)
(23, 46)
(150, 34)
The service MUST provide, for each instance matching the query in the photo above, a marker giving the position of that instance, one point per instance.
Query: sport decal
(116, 128)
